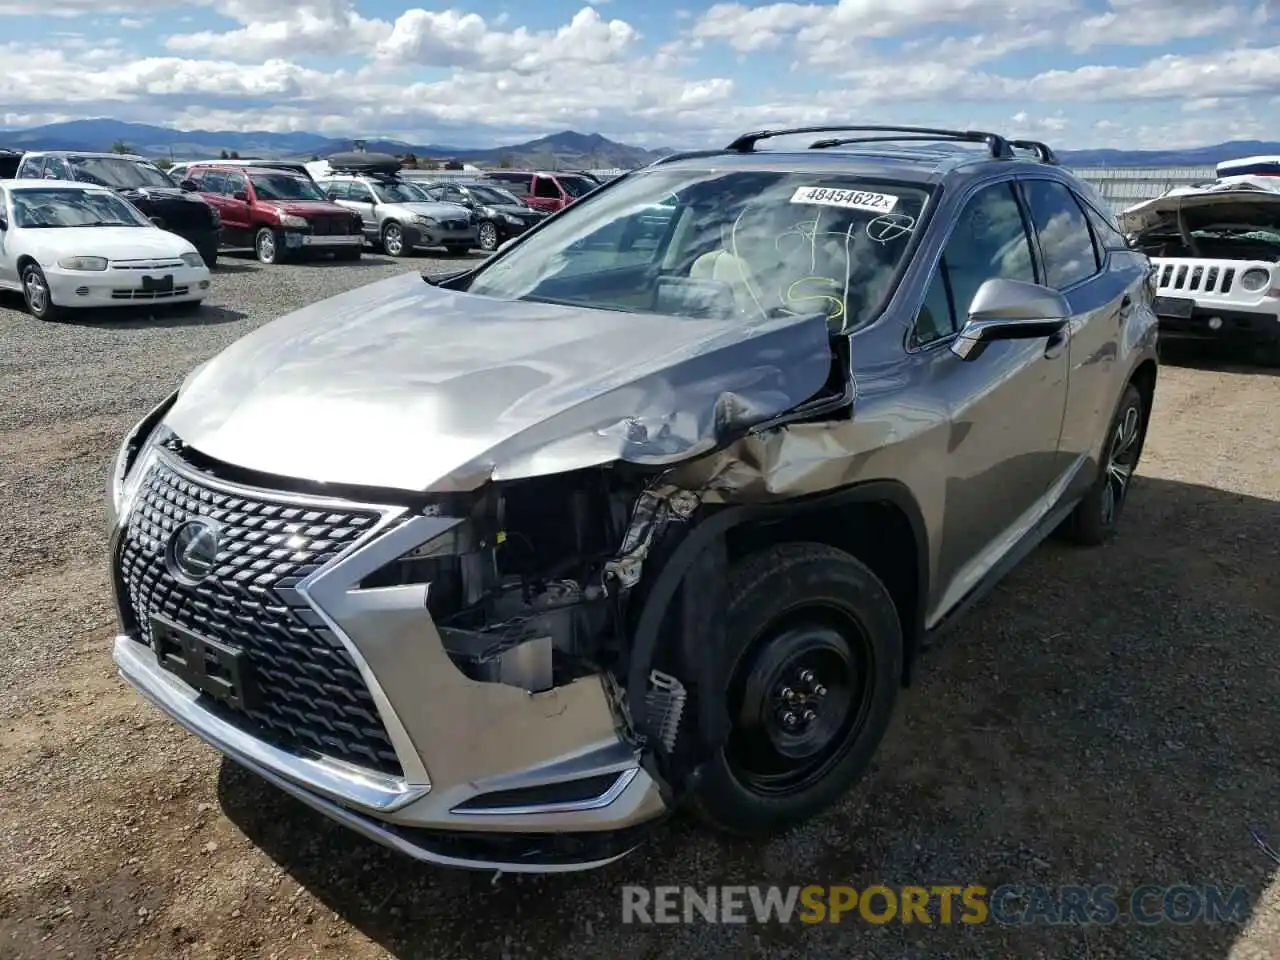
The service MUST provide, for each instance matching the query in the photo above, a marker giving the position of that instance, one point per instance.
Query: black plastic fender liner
(709, 530)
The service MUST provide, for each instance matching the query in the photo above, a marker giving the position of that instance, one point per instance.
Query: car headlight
(1255, 279)
(514, 221)
(83, 263)
(425, 221)
(289, 220)
(122, 480)
(193, 259)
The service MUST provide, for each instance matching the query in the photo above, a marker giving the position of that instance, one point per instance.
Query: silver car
(399, 217)
(659, 505)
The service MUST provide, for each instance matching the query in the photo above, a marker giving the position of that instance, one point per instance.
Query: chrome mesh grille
(311, 696)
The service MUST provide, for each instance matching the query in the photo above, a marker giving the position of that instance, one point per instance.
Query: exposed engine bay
(531, 589)
(1216, 245)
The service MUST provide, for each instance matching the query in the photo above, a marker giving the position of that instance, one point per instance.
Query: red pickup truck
(543, 191)
(278, 213)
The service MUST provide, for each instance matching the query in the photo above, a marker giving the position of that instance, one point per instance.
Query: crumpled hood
(403, 385)
(1236, 201)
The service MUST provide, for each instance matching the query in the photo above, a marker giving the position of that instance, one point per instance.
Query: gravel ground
(1108, 717)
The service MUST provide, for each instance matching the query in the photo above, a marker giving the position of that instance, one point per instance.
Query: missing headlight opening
(530, 589)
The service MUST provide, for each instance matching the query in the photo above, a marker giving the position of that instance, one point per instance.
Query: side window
(435, 193)
(454, 195)
(32, 168)
(55, 168)
(213, 182)
(1065, 241)
(989, 239)
(1105, 229)
(235, 183)
(519, 184)
(546, 187)
(359, 192)
(337, 189)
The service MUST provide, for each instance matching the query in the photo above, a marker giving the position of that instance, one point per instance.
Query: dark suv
(658, 504)
(140, 182)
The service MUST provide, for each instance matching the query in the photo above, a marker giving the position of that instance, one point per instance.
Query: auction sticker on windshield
(849, 199)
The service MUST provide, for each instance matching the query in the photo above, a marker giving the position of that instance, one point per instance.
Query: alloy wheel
(393, 241)
(1121, 462)
(266, 247)
(37, 293)
(799, 701)
(488, 236)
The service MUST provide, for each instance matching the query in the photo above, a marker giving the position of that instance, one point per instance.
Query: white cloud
(432, 70)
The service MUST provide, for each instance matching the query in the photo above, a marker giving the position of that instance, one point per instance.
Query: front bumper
(1235, 327)
(441, 237)
(300, 240)
(125, 287)
(491, 777)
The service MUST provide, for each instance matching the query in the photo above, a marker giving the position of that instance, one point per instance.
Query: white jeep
(1215, 256)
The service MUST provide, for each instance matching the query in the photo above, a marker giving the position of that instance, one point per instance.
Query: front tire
(488, 236)
(1096, 518)
(35, 291)
(267, 246)
(393, 242)
(815, 648)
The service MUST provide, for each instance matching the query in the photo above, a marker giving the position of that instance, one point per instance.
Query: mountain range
(566, 149)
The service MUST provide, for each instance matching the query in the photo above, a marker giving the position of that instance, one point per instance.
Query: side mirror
(1004, 309)
(189, 185)
(159, 222)
(240, 195)
(332, 194)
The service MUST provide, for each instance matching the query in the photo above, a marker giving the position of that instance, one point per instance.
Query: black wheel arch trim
(698, 562)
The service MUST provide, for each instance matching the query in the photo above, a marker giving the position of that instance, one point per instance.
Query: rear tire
(35, 291)
(209, 254)
(815, 651)
(1096, 518)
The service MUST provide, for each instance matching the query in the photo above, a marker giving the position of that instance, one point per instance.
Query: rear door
(360, 198)
(1005, 406)
(1074, 264)
(238, 197)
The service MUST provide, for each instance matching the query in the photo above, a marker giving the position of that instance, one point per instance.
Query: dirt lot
(1107, 717)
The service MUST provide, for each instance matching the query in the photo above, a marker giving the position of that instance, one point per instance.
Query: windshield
(64, 207)
(397, 193)
(576, 186)
(118, 172)
(719, 244)
(284, 186)
(493, 195)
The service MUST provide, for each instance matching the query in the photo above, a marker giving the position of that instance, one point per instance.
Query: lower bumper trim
(341, 782)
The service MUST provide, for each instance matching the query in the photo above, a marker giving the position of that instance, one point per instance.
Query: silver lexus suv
(656, 506)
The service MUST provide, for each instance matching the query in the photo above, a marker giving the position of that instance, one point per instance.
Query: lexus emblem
(193, 551)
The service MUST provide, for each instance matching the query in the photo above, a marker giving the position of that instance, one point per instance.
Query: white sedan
(66, 245)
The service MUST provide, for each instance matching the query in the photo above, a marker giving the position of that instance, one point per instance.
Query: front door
(360, 199)
(1005, 406)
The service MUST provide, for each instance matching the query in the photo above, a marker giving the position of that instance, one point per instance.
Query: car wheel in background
(267, 246)
(1096, 517)
(393, 244)
(35, 291)
(488, 237)
(815, 650)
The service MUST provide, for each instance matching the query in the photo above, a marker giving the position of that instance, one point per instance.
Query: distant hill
(565, 149)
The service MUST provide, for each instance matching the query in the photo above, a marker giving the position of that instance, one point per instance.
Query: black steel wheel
(816, 650)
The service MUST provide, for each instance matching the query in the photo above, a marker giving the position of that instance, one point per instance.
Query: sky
(659, 73)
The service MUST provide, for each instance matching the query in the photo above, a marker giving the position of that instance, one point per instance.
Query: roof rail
(685, 155)
(1041, 150)
(997, 144)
